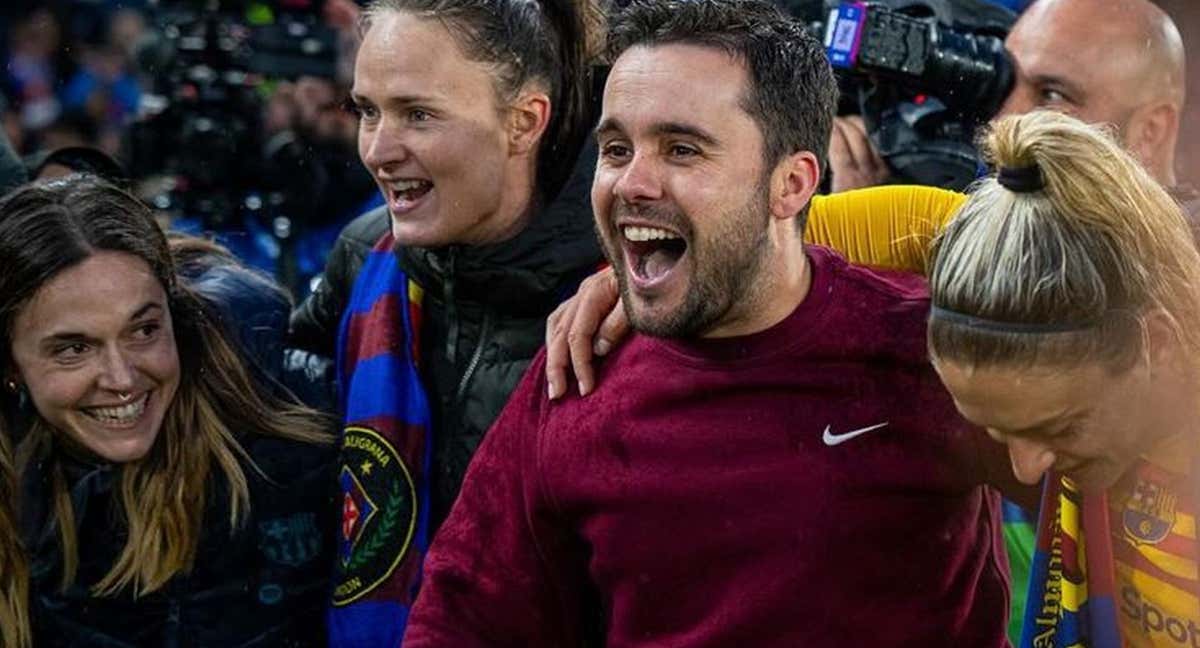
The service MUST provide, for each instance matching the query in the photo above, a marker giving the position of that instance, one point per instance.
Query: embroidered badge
(270, 594)
(292, 540)
(1149, 512)
(379, 514)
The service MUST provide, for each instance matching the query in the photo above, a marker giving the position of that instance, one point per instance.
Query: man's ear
(1151, 134)
(793, 183)
(528, 117)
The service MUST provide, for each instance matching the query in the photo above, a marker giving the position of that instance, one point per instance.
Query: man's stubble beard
(726, 266)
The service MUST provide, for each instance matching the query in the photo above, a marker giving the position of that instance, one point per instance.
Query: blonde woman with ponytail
(167, 497)
(1066, 321)
(14, 571)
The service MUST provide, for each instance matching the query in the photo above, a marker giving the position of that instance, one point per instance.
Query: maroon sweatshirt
(808, 485)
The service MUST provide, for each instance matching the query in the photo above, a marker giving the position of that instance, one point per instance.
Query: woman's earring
(12, 386)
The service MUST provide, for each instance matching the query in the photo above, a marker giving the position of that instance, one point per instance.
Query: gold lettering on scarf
(370, 447)
(1052, 598)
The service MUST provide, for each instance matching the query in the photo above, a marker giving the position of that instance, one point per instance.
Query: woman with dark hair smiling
(165, 496)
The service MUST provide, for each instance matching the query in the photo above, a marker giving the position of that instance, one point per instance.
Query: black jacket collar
(529, 273)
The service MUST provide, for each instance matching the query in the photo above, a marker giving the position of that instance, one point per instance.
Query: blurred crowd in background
(267, 161)
(231, 118)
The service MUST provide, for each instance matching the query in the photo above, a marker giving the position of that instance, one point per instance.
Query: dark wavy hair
(14, 566)
(547, 41)
(46, 228)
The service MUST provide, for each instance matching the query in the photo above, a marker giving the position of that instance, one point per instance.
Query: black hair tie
(1022, 179)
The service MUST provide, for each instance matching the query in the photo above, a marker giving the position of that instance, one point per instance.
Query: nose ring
(124, 396)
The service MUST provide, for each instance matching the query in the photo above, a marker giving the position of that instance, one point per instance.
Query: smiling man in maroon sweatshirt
(771, 461)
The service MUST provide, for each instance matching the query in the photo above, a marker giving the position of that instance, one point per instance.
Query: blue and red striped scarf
(386, 457)
(1071, 601)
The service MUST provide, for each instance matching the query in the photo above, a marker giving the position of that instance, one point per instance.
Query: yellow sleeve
(888, 227)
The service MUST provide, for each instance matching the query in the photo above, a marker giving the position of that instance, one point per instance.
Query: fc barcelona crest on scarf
(378, 514)
(1149, 512)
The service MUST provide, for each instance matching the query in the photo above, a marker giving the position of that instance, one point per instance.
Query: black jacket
(264, 584)
(484, 313)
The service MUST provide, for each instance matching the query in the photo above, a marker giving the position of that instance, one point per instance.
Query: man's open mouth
(651, 252)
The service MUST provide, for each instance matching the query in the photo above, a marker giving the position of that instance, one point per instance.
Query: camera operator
(242, 133)
(1116, 62)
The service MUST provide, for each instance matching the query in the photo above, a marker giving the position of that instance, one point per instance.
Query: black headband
(997, 326)
(1022, 179)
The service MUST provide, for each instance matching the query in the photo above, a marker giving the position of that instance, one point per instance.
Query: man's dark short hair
(792, 94)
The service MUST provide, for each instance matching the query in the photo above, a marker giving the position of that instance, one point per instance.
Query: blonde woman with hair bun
(1066, 321)
(1071, 259)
